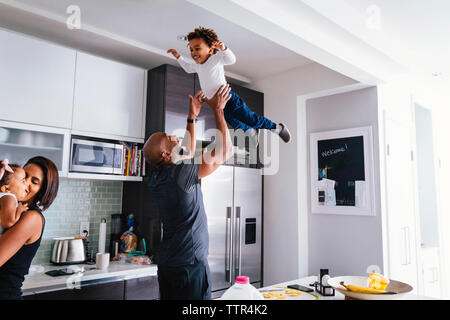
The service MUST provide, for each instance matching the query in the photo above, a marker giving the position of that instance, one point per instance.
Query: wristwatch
(191, 120)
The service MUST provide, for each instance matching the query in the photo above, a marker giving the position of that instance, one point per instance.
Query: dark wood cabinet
(143, 288)
(103, 291)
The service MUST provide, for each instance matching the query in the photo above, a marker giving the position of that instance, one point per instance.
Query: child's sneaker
(283, 132)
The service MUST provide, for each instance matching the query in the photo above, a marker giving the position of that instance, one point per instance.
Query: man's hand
(219, 45)
(220, 99)
(195, 104)
(174, 53)
(4, 167)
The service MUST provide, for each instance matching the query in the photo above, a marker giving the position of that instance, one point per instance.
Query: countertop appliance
(96, 157)
(68, 250)
(233, 203)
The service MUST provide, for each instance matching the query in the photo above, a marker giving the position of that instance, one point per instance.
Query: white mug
(102, 260)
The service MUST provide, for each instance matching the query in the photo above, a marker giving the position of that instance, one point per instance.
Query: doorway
(430, 253)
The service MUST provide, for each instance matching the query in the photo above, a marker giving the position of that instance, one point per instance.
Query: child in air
(209, 56)
(13, 189)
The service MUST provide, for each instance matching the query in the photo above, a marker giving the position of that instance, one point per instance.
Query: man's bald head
(154, 148)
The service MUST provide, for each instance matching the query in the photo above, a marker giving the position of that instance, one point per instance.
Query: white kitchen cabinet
(19, 142)
(36, 81)
(402, 231)
(109, 97)
(431, 271)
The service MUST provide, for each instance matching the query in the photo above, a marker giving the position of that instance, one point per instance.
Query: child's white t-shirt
(2, 194)
(211, 73)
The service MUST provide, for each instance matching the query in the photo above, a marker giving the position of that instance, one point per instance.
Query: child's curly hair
(206, 34)
(8, 175)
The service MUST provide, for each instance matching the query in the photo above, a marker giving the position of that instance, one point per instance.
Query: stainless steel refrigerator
(233, 203)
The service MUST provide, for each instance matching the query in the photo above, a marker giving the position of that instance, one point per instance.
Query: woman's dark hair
(206, 34)
(8, 175)
(50, 185)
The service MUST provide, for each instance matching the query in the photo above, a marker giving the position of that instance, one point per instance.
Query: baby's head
(15, 182)
(200, 44)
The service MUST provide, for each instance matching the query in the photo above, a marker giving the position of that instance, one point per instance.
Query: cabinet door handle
(408, 245)
(237, 259)
(228, 247)
(406, 254)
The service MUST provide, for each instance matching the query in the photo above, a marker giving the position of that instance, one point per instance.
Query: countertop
(316, 296)
(39, 282)
(304, 295)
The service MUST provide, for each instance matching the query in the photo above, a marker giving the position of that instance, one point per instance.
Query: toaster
(69, 250)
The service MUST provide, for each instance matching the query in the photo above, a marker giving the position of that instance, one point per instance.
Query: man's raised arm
(224, 148)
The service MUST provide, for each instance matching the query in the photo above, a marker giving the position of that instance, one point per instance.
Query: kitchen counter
(305, 295)
(317, 296)
(38, 282)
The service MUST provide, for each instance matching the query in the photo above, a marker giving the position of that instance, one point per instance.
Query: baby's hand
(219, 45)
(174, 53)
(21, 208)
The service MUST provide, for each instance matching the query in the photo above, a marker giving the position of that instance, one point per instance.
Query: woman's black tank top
(13, 272)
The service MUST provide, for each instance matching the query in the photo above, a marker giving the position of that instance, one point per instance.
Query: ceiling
(415, 33)
(148, 28)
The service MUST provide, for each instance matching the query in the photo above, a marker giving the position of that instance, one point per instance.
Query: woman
(19, 244)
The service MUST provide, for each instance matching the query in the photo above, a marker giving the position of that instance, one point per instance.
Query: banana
(359, 289)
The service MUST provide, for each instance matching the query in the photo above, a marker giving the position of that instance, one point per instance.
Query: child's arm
(9, 213)
(186, 65)
(228, 56)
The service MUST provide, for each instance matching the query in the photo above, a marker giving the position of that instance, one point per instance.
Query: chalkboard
(342, 160)
(342, 173)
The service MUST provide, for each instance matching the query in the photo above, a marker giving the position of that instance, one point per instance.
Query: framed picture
(342, 175)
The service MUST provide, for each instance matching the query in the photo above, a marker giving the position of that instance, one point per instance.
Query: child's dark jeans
(239, 115)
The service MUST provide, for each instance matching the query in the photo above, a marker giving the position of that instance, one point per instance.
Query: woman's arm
(26, 230)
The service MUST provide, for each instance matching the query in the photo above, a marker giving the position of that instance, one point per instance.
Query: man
(183, 271)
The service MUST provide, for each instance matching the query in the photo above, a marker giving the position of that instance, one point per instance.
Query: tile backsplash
(77, 201)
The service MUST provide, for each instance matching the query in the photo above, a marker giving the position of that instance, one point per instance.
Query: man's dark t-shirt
(177, 192)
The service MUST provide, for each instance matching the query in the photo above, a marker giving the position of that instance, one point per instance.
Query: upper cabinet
(36, 81)
(109, 97)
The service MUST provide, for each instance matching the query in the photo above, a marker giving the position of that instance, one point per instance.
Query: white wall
(346, 244)
(285, 243)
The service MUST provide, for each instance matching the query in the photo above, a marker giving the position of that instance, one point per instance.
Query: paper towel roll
(102, 236)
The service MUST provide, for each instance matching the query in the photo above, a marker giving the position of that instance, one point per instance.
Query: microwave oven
(96, 157)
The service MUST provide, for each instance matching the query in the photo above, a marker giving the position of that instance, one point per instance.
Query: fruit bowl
(400, 288)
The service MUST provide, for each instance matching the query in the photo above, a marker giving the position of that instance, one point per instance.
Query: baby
(209, 58)
(13, 189)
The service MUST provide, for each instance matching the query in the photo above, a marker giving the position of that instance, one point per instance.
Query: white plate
(395, 286)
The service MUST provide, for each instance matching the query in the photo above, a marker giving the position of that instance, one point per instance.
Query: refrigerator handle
(237, 261)
(228, 247)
